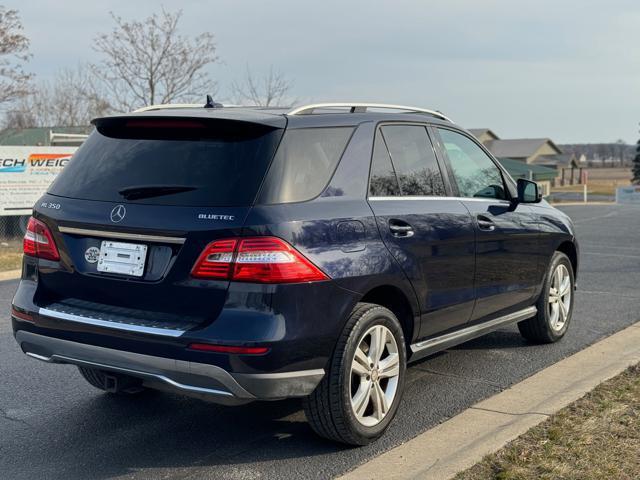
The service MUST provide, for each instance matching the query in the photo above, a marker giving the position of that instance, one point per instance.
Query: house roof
(519, 147)
(478, 132)
(560, 160)
(519, 169)
(36, 136)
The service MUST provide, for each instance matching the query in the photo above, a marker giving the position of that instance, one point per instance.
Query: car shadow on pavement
(157, 430)
(507, 338)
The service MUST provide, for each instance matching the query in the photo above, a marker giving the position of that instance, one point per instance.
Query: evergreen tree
(636, 165)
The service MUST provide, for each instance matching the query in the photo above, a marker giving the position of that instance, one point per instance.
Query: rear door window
(304, 164)
(170, 162)
(414, 160)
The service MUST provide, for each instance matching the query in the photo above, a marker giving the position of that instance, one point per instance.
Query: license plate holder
(122, 258)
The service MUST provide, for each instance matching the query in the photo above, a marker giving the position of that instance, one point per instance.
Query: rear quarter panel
(340, 236)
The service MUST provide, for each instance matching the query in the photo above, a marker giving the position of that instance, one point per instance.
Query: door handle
(485, 223)
(400, 228)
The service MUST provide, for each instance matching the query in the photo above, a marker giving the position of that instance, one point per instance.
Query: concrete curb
(484, 428)
(10, 275)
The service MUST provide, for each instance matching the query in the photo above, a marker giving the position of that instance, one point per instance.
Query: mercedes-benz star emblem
(118, 213)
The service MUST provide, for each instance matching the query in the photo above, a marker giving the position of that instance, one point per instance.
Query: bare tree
(14, 53)
(148, 62)
(269, 90)
(19, 118)
(70, 99)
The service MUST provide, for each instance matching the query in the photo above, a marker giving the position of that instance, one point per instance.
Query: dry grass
(602, 181)
(10, 256)
(621, 175)
(597, 437)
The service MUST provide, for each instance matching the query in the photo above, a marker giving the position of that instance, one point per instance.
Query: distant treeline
(612, 154)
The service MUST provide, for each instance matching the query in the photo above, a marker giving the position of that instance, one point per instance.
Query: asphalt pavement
(54, 425)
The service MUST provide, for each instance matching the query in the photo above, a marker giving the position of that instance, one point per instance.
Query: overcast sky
(564, 69)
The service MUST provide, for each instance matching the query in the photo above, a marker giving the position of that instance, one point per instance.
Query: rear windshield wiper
(148, 191)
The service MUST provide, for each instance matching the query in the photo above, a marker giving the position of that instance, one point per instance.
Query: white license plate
(122, 258)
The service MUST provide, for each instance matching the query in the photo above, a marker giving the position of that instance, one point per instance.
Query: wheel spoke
(378, 341)
(360, 400)
(360, 364)
(563, 311)
(557, 279)
(390, 366)
(380, 406)
(565, 287)
(554, 313)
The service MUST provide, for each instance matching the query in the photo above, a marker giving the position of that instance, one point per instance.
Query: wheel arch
(398, 302)
(570, 250)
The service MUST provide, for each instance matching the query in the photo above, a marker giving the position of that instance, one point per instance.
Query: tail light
(257, 260)
(38, 241)
(215, 261)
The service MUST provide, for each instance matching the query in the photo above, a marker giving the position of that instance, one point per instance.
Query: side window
(303, 164)
(414, 160)
(474, 172)
(383, 182)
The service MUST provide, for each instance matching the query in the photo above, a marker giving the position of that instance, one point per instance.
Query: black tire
(115, 383)
(328, 408)
(539, 328)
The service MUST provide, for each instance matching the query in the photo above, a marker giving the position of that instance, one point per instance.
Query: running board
(433, 345)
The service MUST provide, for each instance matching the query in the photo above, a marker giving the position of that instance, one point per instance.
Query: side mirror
(528, 191)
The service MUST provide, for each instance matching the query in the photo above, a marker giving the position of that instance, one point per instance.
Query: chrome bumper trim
(122, 235)
(180, 375)
(195, 379)
(167, 332)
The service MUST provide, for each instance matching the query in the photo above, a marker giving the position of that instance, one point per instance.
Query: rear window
(171, 162)
(304, 164)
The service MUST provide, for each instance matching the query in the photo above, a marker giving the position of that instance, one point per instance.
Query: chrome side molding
(436, 344)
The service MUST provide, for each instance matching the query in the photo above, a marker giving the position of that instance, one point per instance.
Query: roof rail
(362, 107)
(162, 106)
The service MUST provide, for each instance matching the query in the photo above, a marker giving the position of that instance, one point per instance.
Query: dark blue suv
(240, 254)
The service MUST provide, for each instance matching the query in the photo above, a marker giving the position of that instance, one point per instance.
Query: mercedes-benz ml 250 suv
(241, 254)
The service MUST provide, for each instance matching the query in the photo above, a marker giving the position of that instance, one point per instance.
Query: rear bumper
(201, 380)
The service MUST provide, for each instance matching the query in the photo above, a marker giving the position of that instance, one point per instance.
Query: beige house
(531, 151)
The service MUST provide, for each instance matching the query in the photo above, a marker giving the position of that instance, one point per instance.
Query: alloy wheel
(375, 371)
(559, 298)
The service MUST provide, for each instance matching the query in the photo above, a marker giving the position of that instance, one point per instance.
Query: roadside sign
(26, 173)
(628, 195)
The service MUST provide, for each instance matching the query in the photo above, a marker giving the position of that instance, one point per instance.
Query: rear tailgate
(126, 257)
